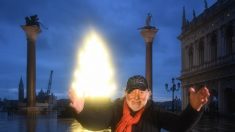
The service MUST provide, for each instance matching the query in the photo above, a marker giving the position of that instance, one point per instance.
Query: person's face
(137, 99)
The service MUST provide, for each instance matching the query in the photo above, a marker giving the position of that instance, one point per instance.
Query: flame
(94, 75)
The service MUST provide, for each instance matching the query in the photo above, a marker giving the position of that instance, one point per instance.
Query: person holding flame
(136, 111)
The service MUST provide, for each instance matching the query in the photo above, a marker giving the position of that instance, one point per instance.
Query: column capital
(148, 34)
(31, 31)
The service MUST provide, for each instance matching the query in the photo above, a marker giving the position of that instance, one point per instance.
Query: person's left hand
(77, 102)
(199, 98)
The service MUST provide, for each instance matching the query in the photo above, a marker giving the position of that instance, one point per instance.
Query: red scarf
(125, 124)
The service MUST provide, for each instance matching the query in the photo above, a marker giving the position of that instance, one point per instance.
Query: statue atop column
(32, 20)
(147, 22)
(31, 29)
(148, 19)
(148, 33)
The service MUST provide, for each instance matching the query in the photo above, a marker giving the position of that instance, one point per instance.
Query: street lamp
(173, 88)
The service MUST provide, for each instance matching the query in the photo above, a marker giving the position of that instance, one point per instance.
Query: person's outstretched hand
(77, 102)
(199, 98)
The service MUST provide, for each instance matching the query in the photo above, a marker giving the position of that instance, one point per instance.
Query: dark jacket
(98, 116)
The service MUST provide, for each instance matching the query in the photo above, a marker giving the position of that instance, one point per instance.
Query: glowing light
(77, 127)
(94, 75)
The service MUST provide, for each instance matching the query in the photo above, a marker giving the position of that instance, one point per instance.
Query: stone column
(31, 34)
(220, 97)
(184, 97)
(148, 35)
(183, 57)
(233, 39)
(210, 48)
(186, 57)
(207, 47)
(218, 34)
(197, 53)
(221, 42)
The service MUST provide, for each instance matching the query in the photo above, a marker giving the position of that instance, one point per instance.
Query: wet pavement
(49, 123)
(215, 124)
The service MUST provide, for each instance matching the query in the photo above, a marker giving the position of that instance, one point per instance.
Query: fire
(94, 75)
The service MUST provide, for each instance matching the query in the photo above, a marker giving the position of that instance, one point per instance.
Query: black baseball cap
(136, 82)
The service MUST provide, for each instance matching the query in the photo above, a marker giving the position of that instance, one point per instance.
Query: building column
(184, 96)
(221, 49)
(206, 48)
(221, 97)
(31, 34)
(209, 47)
(186, 57)
(148, 35)
(195, 53)
(233, 39)
(182, 57)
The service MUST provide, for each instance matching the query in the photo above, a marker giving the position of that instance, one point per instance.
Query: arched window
(190, 54)
(229, 39)
(201, 52)
(213, 46)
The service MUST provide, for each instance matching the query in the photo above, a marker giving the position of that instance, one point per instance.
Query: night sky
(67, 23)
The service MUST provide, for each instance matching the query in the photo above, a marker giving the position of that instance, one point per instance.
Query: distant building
(21, 91)
(208, 55)
(46, 98)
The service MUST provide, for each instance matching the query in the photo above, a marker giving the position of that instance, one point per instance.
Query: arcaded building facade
(208, 55)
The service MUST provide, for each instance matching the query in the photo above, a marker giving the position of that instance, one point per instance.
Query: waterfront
(38, 123)
(215, 124)
(49, 123)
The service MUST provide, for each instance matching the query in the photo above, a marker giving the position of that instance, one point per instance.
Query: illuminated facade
(208, 55)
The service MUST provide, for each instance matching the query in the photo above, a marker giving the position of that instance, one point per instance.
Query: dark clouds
(67, 21)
